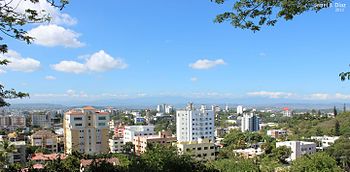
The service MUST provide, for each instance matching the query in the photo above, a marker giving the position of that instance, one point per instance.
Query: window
(101, 124)
(79, 125)
(89, 124)
(78, 118)
(101, 118)
(199, 148)
(211, 147)
(205, 148)
(89, 117)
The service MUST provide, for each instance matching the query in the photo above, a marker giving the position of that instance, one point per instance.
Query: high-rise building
(240, 110)
(41, 119)
(86, 130)
(193, 124)
(250, 122)
(12, 121)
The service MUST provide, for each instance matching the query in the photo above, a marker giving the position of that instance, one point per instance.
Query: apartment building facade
(193, 124)
(86, 130)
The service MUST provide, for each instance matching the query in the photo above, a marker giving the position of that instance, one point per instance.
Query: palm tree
(6, 147)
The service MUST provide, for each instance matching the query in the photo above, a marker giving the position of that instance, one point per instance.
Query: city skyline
(163, 51)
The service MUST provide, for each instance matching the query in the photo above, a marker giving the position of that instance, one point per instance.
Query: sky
(163, 50)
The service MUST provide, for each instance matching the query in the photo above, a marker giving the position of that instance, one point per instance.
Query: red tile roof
(87, 162)
(88, 108)
(46, 157)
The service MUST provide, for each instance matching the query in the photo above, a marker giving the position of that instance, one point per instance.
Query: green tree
(235, 164)
(335, 112)
(6, 148)
(337, 128)
(12, 24)
(340, 150)
(160, 158)
(316, 162)
(282, 153)
(253, 14)
(129, 148)
(100, 165)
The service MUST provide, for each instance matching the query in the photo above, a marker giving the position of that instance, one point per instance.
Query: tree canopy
(253, 14)
(12, 24)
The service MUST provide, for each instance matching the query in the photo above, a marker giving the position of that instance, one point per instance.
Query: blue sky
(127, 50)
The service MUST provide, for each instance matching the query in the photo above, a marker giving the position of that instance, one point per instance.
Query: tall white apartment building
(193, 124)
(86, 130)
(240, 110)
(298, 148)
(250, 122)
(137, 130)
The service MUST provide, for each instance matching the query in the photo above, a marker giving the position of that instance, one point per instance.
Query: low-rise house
(39, 159)
(277, 133)
(139, 120)
(324, 141)
(19, 155)
(298, 148)
(201, 150)
(249, 152)
(137, 130)
(116, 144)
(119, 130)
(163, 138)
(45, 139)
(87, 162)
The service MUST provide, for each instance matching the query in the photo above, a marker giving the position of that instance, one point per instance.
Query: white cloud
(49, 77)
(70, 67)
(44, 9)
(206, 64)
(19, 63)
(53, 35)
(194, 79)
(101, 61)
(273, 95)
(97, 62)
(342, 96)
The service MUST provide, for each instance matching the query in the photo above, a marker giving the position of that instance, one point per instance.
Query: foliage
(315, 162)
(344, 76)
(340, 150)
(129, 148)
(282, 153)
(164, 124)
(235, 164)
(239, 140)
(6, 147)
(159, 158)
(253, 14)
(12, 24)
(337, 128)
